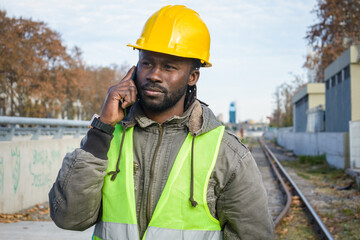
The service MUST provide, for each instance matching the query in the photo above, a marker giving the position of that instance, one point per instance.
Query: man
(167, 170)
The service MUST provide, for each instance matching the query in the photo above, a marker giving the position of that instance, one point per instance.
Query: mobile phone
(133, 77)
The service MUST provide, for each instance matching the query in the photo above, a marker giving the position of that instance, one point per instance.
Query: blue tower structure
(232, 113)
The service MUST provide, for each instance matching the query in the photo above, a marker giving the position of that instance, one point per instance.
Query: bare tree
(276, 115)
(31, 55)
(40, 78)
(337, 29)
(282, 115)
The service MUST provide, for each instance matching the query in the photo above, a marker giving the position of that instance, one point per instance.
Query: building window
(346, 73)
(327, 84)
(339, 77)
(333, 83)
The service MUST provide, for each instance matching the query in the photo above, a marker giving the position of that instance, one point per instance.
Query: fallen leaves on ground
(40, 212)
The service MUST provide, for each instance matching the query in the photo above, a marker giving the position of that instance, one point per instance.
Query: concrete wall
(270, 134)
(355, 88)
(334, 145)
(28, 168)
(354, 132)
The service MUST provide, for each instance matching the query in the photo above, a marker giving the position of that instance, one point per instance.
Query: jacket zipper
(152, 173)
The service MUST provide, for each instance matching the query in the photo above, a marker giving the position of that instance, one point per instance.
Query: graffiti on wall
(40, 166)
(55, 155)
(15, 166)
(27, 171)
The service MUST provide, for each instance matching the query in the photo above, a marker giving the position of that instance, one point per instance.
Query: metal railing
(36, 127)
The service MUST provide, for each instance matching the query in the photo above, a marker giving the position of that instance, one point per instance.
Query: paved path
(40, 231)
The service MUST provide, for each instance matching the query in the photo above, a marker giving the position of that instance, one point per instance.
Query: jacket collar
(197, 118)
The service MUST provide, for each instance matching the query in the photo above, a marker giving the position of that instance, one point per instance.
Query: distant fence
(271, 134)
(335, 145)
(28, 168)
(23, 126)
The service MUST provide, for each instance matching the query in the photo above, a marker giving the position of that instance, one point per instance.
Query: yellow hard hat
(176, 30)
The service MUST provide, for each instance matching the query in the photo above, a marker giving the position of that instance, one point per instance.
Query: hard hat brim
(204, 63)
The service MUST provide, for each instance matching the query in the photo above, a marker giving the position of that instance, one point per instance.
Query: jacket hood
(208, 120)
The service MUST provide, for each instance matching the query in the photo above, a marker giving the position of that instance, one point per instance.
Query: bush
(313, 160)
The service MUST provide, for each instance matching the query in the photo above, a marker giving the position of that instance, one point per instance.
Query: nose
(154, 75)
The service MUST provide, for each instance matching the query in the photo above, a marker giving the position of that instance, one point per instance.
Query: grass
(329, 214)
(309, 167)
(342, 218)
(341, 213)
(295, 225)
(347, 212)
(245, 140)
(313, 160)
(305, 176)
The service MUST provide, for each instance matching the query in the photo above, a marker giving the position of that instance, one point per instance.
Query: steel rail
(284, 187)
(320, 226)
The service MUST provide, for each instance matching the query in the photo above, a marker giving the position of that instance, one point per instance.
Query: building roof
(350, 55)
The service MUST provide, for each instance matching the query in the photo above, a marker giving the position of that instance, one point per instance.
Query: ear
(194, 77)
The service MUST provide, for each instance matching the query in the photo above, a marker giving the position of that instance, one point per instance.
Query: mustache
(154, 87)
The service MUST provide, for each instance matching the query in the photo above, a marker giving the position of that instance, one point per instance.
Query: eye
(145, 63)
(169, 67)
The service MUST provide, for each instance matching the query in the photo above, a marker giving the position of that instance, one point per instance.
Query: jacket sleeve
(75, 198)
(242, 205)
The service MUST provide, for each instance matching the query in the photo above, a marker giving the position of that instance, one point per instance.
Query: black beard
(169, 99)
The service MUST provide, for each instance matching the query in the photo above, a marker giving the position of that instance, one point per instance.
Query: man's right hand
(125, 91)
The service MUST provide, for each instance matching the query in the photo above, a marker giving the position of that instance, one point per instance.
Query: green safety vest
(174, 217)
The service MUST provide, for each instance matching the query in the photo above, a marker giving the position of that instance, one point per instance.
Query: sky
(255, 45)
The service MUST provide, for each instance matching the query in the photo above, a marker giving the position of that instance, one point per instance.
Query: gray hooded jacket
(236, 195)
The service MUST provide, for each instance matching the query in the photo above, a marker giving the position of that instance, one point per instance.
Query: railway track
(282, 189)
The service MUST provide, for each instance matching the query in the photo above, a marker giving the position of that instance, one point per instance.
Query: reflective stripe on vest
(174, 217)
